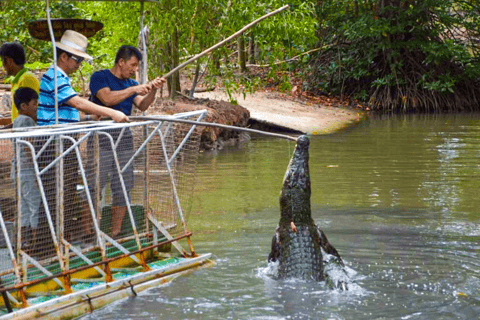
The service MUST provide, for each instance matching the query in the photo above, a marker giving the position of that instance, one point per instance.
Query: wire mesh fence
(81, 195)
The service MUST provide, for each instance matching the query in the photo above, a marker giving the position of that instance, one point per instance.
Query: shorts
(108, 167)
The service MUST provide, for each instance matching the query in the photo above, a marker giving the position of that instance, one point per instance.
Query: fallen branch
(199, 90)
(221, 43)
(185, 96)
(186, 92)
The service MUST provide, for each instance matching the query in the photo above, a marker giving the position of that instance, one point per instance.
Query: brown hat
(75, 43)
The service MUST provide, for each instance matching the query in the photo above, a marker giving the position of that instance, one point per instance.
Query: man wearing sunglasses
(71, 51)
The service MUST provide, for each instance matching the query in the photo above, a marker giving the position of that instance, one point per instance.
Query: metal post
(143, 80)
(60, 181)
(98, 208)
(146, 186)
(18, 167)
(174, 188)
(143, 69)
(52, 36)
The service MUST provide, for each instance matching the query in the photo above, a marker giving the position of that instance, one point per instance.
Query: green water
(397, 197)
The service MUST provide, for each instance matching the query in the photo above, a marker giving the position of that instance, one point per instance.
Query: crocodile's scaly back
(301, 254)
(298, 243)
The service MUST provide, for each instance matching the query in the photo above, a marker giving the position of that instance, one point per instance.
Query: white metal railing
(69, 165)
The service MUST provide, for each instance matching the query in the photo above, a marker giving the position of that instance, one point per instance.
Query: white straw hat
(75, 43)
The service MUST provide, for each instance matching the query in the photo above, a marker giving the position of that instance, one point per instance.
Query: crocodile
(298, 244)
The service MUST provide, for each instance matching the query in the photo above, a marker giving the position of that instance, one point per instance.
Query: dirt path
(307, 117)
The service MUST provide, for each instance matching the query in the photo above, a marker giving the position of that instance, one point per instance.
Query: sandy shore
(307, 117)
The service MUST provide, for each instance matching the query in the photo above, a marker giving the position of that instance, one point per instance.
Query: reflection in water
(443, 193)
(397, 197)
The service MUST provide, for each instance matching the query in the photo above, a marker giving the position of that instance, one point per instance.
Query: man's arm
(111, 98)
(91, 108)
(143, 102)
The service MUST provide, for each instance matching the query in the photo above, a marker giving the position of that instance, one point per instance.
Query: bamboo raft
(63, 275)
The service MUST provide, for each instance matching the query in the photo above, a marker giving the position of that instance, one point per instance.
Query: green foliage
(16, 15)
(8, 79)
(393, 56)
(120, 26)
(178, 29)
(37, 65)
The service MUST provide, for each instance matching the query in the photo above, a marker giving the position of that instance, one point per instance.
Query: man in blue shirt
(71, 51)
(115, 89)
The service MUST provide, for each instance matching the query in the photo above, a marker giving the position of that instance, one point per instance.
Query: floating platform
(93, 294)
(110, 221)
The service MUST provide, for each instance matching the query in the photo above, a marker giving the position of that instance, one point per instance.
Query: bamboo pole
(221, 43)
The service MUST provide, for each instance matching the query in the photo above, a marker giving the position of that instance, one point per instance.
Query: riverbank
(290, 113)
(264, 110)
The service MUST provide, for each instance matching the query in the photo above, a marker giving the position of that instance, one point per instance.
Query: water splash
(336, 274)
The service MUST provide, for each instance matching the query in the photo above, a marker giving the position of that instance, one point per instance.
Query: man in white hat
(71, 51)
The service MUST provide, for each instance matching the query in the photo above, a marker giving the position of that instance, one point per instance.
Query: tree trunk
(195, 79)
(225, 58)
(174, 85)
(251, 48)
(381, 4)
(241, 54)
(172, 53)
(143, 67)
(320, 32)
(216, 62)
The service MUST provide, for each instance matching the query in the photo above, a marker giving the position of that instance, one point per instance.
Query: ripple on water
(398, 198)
